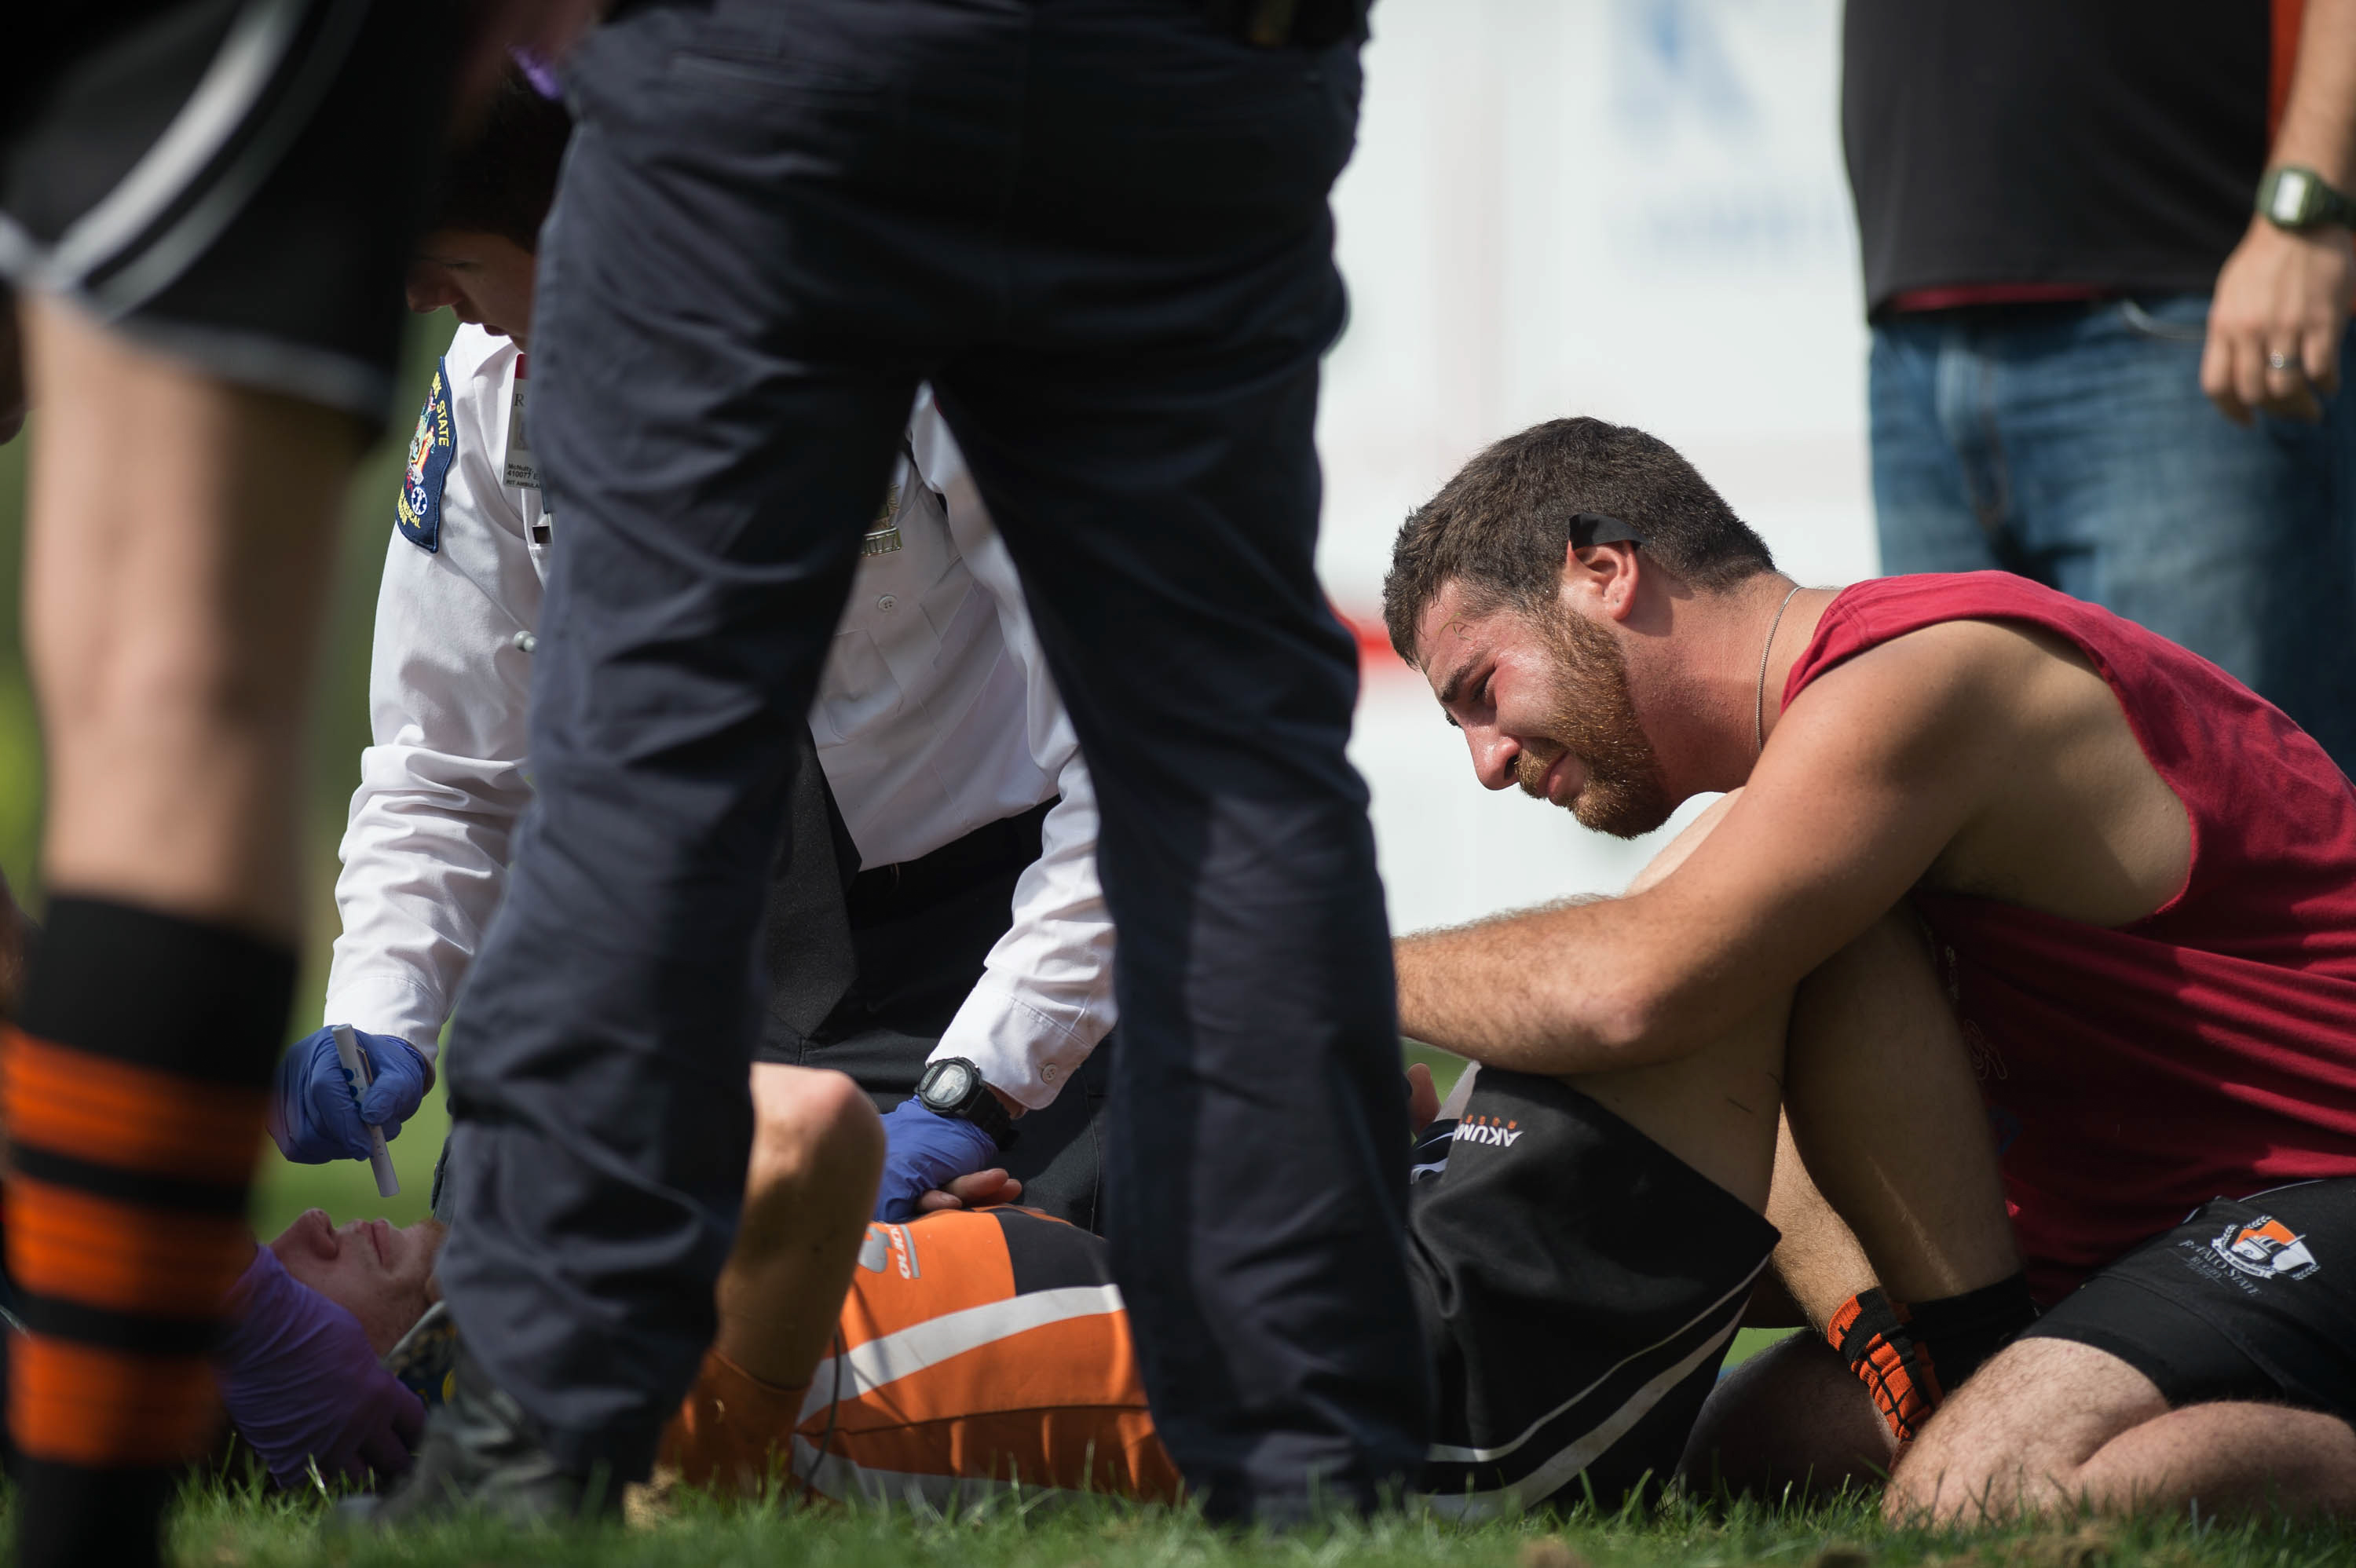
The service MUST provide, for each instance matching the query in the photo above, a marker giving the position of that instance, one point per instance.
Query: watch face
(2293, 195)
(948, 1084)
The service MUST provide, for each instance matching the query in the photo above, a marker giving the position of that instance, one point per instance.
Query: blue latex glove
(922, 1151)
(316, 1113)
(302, 1383)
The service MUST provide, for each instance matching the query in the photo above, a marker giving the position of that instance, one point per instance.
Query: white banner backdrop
(1628, 208)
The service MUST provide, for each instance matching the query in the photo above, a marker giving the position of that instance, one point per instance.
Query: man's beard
(1594, 719)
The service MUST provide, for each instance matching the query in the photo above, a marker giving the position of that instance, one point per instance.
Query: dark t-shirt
(2110, 144)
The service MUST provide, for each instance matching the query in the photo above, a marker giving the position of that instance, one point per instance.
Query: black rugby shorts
(1579, 1286)
(2250, 1298)
(234, 183)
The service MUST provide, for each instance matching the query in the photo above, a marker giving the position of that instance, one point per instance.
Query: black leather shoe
(484, 1456)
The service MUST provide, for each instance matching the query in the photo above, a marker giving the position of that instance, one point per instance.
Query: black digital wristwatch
(953, 1087)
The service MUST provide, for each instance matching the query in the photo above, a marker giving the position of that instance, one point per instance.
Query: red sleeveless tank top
(2207, 1050)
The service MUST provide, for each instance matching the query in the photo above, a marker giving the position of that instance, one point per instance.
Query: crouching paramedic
(937, 899)
(2137, 882)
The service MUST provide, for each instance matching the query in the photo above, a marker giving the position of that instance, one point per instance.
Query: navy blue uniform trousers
(1100, 228)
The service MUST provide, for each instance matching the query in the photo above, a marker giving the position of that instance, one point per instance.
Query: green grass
(228, 1526)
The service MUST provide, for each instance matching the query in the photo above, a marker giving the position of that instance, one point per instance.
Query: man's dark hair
(1501, 526)
(501, 177)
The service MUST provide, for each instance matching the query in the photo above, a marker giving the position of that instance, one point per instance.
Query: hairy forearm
(2319, 121)
(1517, 991)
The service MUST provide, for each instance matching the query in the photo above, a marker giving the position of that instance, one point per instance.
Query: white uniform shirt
(935, 715)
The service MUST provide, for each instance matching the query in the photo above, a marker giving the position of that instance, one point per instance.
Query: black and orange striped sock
(1872, 1332)
(134, 1090)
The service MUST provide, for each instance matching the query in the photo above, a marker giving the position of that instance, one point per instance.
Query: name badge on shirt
(523, 470)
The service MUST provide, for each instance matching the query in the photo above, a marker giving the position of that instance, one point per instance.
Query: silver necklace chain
(1758, 703)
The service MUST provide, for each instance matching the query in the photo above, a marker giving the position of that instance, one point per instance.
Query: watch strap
(2323, 206)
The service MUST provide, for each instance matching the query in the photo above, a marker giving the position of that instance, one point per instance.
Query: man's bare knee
(810, 1125)
(1792, 1420)
(1674, 853)
(818, 1150)
(2018, 1436)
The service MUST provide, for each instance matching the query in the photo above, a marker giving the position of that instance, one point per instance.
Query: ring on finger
(2280, 362)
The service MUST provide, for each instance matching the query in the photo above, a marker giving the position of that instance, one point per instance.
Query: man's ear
(1606, 576)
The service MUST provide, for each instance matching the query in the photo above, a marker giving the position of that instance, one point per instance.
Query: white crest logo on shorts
(2265, 1249)
(1487, 1130)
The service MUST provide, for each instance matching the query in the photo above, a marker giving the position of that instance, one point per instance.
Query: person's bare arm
(1869, 774)
(2287, 294)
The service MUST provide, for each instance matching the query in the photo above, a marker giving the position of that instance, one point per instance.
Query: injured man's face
(381, 1275)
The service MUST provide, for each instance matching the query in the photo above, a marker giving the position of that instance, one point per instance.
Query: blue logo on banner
(418, 514)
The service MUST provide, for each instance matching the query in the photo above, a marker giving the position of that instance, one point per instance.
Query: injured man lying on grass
(1579, 1279)
(1968, 819)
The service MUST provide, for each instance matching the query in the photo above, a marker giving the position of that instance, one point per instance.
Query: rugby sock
(1961, 1332)
(133, 1089)
(1870, 1333)
(1909, 1356)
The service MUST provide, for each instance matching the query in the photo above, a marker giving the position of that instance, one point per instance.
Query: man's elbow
(1631, 1022)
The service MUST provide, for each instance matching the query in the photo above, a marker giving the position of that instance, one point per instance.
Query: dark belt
(890, 893)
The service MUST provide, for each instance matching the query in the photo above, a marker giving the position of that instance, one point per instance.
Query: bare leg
(1878, 1090)
(1878, 1083)
(1885, 1113)
(1819, 1260)
(181, 533)
(1791, 1421)
(1715, 1108)
(818, 1153)
(2051, 1423)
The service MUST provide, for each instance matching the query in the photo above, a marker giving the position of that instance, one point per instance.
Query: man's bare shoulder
(1961, 650)
(1937, 697)
(2062, 811)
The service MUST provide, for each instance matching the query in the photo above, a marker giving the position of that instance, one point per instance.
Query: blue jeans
(2071, 444)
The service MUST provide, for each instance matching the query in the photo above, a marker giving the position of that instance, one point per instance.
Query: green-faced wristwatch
(2295, 198)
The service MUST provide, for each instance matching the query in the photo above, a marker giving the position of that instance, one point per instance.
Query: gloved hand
(316, 1114)
(302, 1382)
(924, 1150)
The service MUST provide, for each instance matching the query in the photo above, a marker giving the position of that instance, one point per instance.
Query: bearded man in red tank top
(2124, 883)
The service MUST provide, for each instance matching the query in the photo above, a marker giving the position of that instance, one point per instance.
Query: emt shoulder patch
(418, 514)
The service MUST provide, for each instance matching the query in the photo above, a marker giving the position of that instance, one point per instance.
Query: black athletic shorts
(2250, 1298)
(1579, 1286)
(235, 183)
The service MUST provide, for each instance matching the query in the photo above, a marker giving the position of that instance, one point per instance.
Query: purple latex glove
(302, 1383)
(924, 1150)
(541, 71)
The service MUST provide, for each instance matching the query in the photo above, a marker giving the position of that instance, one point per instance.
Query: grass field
(228, 1524)
(219, 1526)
